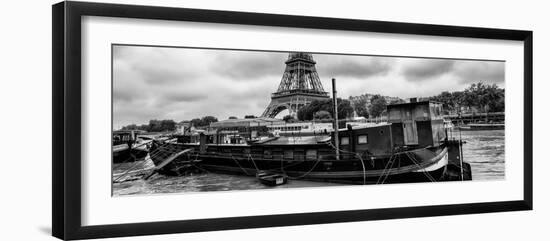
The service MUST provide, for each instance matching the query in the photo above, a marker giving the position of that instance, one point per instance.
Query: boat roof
(129, 131)
(406, 104)
(246, 122)
(296, 140)
(365, 126)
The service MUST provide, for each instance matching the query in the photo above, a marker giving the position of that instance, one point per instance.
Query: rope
(389, 170)
(385, 168)
(308, 172)
(245, 172)
(158, 149)
(295, 163)
(413, 159)
(357, 155)
(253, 162)
(128, 170)
(193, 164)
(132, 156)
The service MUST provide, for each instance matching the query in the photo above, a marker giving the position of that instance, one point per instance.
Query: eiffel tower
(299, 86)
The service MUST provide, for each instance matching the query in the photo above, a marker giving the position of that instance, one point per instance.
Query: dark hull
(272, 179)
(423, 165)
(129, 155)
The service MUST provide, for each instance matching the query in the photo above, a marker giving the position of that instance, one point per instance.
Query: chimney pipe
(335, 124)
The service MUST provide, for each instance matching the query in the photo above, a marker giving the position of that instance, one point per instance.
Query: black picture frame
(66, 127)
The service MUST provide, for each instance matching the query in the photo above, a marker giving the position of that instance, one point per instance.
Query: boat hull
(123, 155)
(423, 165)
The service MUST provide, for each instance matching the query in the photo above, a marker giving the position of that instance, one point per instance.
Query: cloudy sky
(182, 83)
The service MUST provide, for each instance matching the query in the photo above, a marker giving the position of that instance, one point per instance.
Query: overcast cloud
(181, 83)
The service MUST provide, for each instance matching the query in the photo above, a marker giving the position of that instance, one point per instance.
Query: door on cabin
(410, 135)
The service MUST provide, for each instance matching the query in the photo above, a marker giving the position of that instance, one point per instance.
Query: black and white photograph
(201, 119)
(275, 120)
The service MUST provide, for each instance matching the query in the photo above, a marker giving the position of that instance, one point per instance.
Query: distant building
(237, 131)
(301, 128)
(249, 122)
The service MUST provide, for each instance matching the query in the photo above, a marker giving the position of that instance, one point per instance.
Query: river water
(484, 150)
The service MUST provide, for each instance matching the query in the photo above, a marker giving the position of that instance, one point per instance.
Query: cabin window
(362, 139)
(311, 154)
(267, 153)
(288, 154)
(344, 140)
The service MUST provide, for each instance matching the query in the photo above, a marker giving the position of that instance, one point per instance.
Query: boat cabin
(418, 124)
(125, 136)
(410, 125)
(371, 139)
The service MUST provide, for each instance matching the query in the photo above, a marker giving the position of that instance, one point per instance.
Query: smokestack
(335, 124)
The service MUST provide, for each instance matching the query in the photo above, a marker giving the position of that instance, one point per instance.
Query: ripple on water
(484, 150)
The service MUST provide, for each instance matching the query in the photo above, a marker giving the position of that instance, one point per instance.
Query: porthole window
(311, 154)
(288, 154)
(344, 140)
(267, 154)
(362, 139)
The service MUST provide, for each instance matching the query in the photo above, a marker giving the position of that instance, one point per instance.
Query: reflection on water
(484, 150)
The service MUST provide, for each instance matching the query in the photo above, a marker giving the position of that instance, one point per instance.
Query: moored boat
(129, 146)
(271, 179)
(412, 147)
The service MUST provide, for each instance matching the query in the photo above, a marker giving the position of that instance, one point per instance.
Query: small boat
(271, 179)
(128, 146)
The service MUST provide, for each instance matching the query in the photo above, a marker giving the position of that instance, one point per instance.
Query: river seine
(484, 150)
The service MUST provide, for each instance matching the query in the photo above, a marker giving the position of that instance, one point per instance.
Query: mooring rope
(389, 170)
(386, 168)
(357, 155)
(423, 170)
(238, 164)
(308, 172)
(249, 158)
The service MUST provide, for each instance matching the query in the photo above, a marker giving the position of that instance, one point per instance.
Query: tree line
(153, 126)
(169, 125)
(478, 97)
(204, 121)
(323, 109)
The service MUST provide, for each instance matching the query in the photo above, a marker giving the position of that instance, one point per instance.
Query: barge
(413, 146)
(129, 146)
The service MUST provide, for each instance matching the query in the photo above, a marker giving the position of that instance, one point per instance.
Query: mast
(335, 123)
